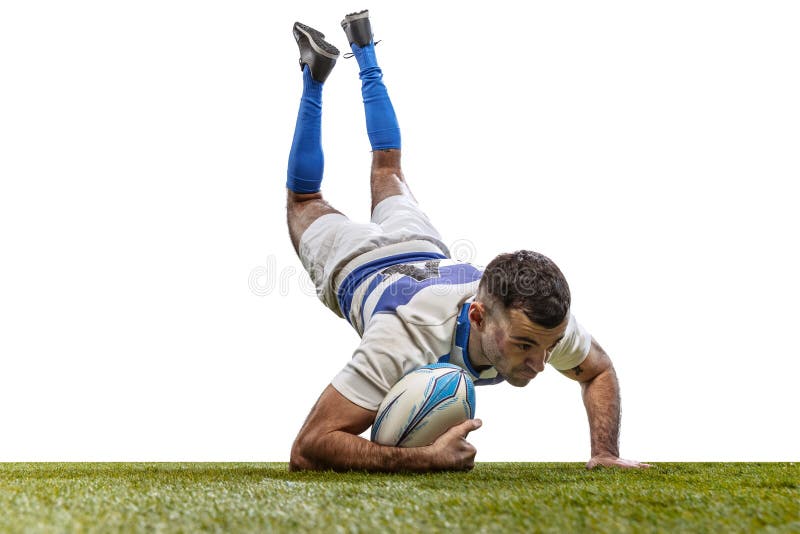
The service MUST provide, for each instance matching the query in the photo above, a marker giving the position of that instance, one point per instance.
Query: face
(517, 347)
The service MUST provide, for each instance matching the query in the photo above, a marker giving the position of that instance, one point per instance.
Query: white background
(151, 305)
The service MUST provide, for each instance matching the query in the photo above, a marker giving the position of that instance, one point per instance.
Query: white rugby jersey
(411, 310)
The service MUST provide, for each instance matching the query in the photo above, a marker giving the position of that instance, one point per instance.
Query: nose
(537, 363)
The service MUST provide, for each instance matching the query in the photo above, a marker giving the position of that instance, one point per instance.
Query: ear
(477, 315)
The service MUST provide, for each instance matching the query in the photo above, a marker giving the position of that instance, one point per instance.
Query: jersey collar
(459, 352)
(462, 338)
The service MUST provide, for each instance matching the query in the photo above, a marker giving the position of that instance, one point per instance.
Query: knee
(300, 206)
(387, 173)
(387, 182)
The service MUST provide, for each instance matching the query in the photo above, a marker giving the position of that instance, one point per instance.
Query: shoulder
(573, 348)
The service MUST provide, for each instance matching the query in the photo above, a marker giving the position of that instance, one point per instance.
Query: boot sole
(317, 41)
(356, 16)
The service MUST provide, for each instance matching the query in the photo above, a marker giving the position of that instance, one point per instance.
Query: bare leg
(386, 178)
(302, 209)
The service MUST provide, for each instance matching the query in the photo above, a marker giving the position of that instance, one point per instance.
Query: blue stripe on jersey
(370, 288)
(404, 289)
(361, 273)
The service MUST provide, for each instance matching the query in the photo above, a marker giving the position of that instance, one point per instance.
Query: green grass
(501, 497)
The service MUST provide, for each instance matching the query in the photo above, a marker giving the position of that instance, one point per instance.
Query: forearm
(342, 451)
(602, 401)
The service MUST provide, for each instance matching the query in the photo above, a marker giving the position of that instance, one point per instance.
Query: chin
(518, 381)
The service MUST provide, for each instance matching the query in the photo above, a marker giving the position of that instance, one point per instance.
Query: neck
(477, 358)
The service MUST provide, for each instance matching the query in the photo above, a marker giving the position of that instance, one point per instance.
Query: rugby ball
(423, 405)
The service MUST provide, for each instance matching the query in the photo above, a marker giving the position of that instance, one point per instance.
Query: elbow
(299, 459)
(299, 463)
(606, 372)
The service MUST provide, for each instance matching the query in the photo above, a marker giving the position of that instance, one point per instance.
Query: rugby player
(393, 280)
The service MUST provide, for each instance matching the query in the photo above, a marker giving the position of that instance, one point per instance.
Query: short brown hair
(529, 282)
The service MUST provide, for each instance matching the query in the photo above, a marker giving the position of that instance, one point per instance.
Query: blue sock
(306, 161)
(382, 127)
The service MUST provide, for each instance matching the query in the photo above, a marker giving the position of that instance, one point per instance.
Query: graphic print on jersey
(416, 277)
(430, 270)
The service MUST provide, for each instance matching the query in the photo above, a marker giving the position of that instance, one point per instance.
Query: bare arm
(329, 439)
(600, 391)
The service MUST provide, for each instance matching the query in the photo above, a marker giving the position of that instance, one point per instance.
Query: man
(392, 279)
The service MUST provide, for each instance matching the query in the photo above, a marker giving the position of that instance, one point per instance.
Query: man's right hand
(330, 439)
(452, 451)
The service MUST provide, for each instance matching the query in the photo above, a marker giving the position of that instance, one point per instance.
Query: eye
(523, 346)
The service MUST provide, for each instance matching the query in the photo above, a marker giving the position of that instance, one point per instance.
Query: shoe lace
(350, 54)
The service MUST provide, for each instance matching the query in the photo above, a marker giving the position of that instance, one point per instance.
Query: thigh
(302, 210)
(401, 216)
(329, 243)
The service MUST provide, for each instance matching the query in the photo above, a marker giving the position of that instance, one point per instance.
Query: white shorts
(333, 245)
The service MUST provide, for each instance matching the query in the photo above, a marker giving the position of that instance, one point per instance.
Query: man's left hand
(603, 460)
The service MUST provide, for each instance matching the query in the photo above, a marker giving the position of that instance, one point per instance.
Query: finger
(470, 425)
(463, 429)
(627, 464)
(633, 464)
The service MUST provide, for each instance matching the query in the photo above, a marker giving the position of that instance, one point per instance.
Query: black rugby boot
(318, 54)
(358, 28)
